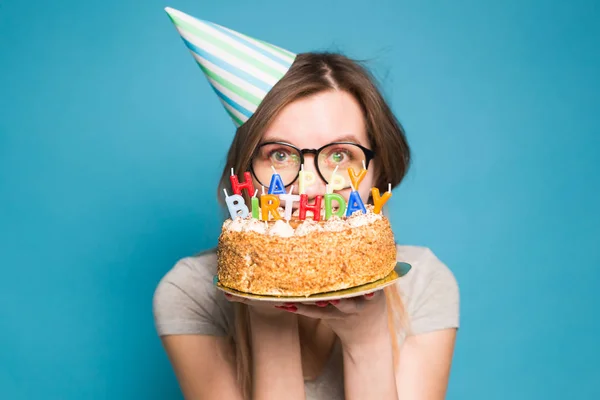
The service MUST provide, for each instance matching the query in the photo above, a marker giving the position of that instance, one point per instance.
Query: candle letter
(305, 178)
(289, 202)
(379, 200)
(255, 208)
(276, 186)
(355, 203)
(269, 203)
(356, 179)
(237, 186)
(315, 208)
(328, 206)
(236, 205)
(337, 182)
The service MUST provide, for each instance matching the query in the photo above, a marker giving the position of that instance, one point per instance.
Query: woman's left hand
(355, 320)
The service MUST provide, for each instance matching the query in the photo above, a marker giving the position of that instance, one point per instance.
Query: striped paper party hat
(240, 69)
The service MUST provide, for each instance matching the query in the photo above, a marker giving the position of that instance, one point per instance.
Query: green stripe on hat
(240, 69)
(227, 48)
(231, 86)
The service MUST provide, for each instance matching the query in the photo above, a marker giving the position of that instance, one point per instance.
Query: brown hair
(312, 73)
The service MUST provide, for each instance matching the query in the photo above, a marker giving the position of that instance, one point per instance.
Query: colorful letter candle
(356, 179)
(315, 208)
(236, 205)
(328, 206)
(255, 206)
(378, 200)
(337, 182)
(355, 203)
(237, 186)
(305, 178)
(276, 186)
(289, 199)
(269, 203)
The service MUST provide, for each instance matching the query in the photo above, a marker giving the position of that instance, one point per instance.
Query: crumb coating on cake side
(306, 260)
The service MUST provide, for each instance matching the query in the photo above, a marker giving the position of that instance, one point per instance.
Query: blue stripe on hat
(251, 45)
(232, 103)
(228, 67)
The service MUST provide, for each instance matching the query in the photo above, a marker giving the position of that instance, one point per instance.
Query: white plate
(399, 271)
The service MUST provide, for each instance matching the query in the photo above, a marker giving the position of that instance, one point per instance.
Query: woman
(381, 346)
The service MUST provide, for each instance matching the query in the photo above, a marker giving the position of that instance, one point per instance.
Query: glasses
(287, 160)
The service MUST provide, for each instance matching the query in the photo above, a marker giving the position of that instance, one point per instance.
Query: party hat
(240, 69)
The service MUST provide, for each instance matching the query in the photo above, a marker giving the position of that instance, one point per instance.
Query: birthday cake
(271, 251)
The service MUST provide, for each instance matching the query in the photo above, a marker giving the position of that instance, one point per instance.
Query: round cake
(301, 258)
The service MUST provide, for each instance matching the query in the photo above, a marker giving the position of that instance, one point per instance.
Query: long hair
(312, 73)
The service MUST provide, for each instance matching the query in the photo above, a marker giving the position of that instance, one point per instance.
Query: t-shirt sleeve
(436, 302)
(186, 301)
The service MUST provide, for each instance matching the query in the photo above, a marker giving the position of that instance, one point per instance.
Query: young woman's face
(318, 120)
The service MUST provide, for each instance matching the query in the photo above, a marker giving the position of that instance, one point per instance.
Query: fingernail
(369, 295)
(228, 295)
(322, 303)
(334, 302)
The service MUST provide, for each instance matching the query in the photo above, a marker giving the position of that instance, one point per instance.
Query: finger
(317, 312)
(369, 296)
(347, 306)
(235, 299)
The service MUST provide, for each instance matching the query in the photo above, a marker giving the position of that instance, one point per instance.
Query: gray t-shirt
(186, 302)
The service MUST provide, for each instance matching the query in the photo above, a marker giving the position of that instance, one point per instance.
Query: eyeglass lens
(287, 160)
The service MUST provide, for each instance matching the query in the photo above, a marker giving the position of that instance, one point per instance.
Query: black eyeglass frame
(369, 155)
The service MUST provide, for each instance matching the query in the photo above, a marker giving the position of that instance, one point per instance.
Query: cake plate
(399, 271)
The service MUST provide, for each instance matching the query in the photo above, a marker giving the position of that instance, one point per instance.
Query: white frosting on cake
(336, 224)
(281, 228)
(237, 224)
(284, 229)
(254, 225)
(360, 219)
(307, 227)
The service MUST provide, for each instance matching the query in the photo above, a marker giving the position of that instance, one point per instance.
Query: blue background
(111, 143)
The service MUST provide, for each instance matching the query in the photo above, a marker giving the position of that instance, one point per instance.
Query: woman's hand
(356, 320)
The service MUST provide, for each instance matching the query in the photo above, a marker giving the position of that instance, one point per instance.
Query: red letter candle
(237, 186)
(315, 208)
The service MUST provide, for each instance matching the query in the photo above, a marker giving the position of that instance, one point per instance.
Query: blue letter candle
(355, 204)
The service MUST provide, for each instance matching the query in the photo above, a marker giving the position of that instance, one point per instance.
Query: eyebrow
(345, 138)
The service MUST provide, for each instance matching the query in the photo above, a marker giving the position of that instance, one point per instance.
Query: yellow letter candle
(269, 203)
(378, 200)
(356, 179)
